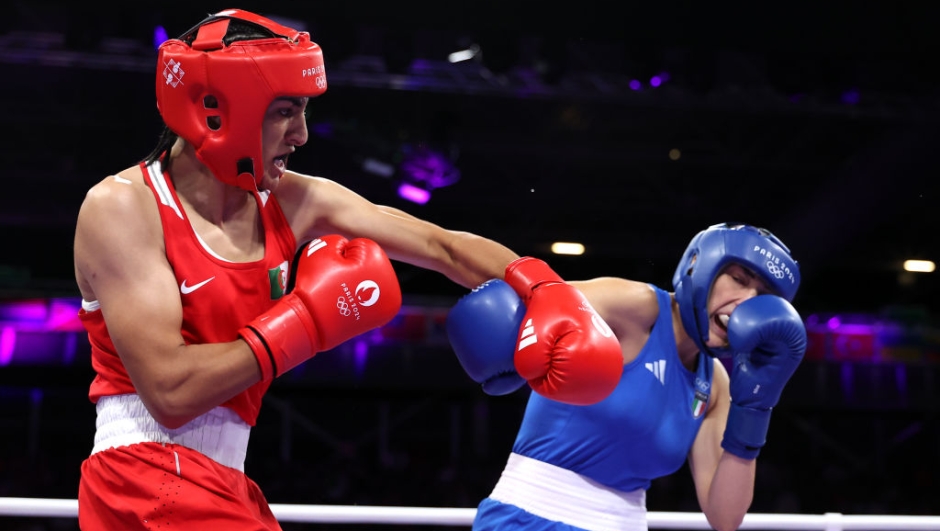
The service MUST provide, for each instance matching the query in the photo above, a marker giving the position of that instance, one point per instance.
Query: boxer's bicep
(121, 263)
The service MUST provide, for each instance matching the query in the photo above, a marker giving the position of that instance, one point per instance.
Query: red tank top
(218, 297)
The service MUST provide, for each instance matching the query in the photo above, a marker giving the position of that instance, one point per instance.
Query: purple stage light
(659, 79)
(413, 193)
(24, 312)
(159, 36)
(425, 169)
(430, 167)
(7, 343)
(851, 97)
(62, 315)
(360, 355)
(70, 348)
(900, 378)
(635, 84)
(58, 314)
(322, 129)
(847, 377)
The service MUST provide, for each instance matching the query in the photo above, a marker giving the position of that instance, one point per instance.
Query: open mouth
(281, 161)
(722, 321)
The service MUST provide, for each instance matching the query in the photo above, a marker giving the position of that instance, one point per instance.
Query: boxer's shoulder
(122, 195)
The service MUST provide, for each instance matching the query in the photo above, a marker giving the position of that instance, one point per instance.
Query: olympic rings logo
(774, 270)
(343, 307)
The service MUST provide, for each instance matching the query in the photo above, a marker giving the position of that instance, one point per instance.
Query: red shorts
(151, 486)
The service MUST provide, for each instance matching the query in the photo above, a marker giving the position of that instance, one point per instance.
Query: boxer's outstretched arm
(319, 206)
(565, 349)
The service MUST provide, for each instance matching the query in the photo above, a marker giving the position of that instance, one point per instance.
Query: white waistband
(219, 434)
(561, 495)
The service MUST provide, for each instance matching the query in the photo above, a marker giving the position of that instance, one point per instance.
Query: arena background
(817, 121)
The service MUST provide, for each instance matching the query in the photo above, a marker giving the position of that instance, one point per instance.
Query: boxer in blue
(588, 466)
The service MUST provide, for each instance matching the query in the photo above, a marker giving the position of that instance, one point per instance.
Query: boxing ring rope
(364, 514)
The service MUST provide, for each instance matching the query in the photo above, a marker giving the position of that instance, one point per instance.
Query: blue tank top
(642, 431)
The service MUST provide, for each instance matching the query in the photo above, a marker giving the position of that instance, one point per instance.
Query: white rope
(364, 514)
(38, 507)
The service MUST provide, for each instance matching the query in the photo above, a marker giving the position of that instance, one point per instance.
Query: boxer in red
(209, 268)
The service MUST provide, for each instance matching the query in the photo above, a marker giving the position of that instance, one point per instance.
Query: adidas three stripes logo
(528, 336)
(658, 368)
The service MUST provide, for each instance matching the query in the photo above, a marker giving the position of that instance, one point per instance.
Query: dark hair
(238, 30)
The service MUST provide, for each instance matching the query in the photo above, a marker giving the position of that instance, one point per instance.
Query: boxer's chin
(277, 169)
(273, 174)
(717, 335)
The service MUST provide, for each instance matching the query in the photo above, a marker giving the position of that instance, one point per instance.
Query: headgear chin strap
(214, 94)
(709, 252)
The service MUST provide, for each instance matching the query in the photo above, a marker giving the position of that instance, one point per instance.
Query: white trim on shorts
(558, 494)
(219, 434)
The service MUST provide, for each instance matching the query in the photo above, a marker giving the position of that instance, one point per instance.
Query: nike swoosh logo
(184, 289)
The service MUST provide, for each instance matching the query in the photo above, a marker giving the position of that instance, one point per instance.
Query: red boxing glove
(338, 289)
(565, 350)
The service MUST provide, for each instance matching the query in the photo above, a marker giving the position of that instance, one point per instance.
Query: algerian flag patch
(278, 278)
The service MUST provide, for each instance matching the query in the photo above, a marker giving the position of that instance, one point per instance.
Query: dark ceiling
(550, 140)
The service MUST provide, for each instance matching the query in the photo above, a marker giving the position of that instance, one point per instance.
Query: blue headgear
(714, 248)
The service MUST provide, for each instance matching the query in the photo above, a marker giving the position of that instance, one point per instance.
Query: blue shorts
(493, 515)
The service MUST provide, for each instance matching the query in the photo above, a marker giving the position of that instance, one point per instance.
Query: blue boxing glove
(768, 339)
(482, 328)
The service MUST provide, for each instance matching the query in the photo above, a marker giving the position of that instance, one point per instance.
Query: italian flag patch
(699, 403)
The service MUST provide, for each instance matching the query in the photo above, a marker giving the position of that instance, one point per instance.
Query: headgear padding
(214, 94)
(713, 249)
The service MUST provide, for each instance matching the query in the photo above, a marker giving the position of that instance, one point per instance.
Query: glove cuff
(746, 431)
(527, 273)
(282, 337)
(262, 352)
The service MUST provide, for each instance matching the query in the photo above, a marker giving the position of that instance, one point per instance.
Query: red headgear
(215, 95)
